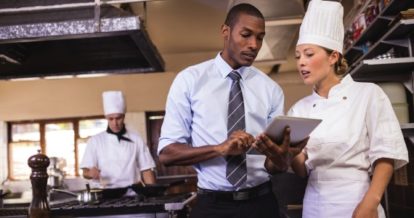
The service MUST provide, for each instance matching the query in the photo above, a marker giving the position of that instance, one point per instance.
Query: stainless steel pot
(85, 197)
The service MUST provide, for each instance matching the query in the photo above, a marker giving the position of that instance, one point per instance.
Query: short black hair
(244, 8)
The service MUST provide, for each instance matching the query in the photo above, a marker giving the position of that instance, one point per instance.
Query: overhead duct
(73, 40)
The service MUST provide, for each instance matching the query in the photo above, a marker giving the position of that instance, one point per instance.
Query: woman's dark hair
(244, 8)
(341, 66)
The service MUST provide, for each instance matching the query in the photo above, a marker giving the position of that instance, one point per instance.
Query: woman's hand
(366, 209)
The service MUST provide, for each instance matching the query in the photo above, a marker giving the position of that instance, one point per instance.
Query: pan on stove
(154, 190)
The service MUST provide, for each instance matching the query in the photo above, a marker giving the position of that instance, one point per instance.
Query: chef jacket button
(344, 97)
(314, 105)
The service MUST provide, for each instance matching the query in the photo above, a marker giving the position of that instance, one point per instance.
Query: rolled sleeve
(386, 139)
(177, 120)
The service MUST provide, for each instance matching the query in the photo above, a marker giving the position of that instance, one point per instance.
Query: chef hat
(323, 25)
(113, 102)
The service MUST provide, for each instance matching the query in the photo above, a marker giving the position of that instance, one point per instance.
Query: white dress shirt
(358, 127)
(196, 114)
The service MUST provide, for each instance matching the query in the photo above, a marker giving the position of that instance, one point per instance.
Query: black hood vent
(73, 41)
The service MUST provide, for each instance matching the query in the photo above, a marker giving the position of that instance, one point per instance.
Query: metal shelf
(400, 30)
(407, 129)
(378, 27)
(394, 7)
(391, 67)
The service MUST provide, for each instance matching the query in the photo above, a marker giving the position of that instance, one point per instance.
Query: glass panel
(81, 150)
(25, 132)
(91, 127)
(60, 143)
(20, 153)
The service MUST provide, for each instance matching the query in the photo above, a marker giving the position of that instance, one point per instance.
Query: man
(117, 157)
(214, 110)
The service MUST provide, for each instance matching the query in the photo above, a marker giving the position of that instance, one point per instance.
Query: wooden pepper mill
(39, 207)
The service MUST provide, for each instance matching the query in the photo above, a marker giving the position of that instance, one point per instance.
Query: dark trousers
(208, 206)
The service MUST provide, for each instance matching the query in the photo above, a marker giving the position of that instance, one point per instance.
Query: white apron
(335, 193)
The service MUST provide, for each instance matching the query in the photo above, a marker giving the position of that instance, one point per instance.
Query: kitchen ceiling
(143, 36)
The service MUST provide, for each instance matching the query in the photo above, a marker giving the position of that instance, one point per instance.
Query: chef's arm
(148, 176)
(380, 179)
(90, 173)
(298, 165)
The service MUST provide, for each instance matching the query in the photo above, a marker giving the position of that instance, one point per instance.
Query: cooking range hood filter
(72, 42)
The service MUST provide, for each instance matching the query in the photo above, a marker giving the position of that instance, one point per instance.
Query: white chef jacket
(358, 127)
(120, 162)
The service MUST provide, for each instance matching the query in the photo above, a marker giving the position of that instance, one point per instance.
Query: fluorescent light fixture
(92, 75)
(283, 21)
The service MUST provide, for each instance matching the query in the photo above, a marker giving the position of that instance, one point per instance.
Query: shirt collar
(224, 68)
(338, 88)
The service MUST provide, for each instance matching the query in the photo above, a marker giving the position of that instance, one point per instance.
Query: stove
(175, 205)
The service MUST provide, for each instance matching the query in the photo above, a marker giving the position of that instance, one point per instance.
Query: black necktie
(236, 171)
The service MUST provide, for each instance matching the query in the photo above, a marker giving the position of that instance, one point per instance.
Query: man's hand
(280, 155)
(238, 142)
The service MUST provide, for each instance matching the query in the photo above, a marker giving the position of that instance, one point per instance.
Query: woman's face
(314, 64)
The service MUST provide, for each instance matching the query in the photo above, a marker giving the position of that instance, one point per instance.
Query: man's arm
(184, 154)
(148, 176)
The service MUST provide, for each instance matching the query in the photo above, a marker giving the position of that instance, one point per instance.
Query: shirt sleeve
(177, 119)
(278, 100)
(145, 160)
(385, 135)
(89, 158)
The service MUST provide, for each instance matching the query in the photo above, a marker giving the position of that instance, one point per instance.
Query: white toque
(323, 25)
(113, 102)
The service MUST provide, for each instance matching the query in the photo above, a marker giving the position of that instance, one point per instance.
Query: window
(65, 139)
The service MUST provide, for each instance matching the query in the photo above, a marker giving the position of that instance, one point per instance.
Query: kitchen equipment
(110, 193)
(87, 196)
(39, 206)
(152, 190)
(56, 175)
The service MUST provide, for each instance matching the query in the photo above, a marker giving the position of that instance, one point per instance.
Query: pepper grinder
(39, 207)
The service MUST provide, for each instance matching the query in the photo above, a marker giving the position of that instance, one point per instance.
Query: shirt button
(344, 97)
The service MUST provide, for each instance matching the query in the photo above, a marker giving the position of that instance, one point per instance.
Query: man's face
(243, 41)
(115, 122)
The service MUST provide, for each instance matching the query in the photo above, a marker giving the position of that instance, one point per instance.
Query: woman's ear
(333, 57)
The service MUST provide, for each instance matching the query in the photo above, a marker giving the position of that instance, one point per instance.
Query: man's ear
(225, 31)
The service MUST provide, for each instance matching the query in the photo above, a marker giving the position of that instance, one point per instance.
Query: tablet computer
(300, 128)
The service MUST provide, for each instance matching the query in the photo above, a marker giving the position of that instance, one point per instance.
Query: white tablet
(300, 128)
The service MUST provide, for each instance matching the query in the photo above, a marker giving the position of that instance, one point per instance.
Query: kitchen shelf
(400, 30)
(394, 7)
(407, 129)
(383, 69)
(378, 27)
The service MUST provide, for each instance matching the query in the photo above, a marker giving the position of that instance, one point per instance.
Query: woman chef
(359, 135)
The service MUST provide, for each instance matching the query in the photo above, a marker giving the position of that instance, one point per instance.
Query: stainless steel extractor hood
(73, 41)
